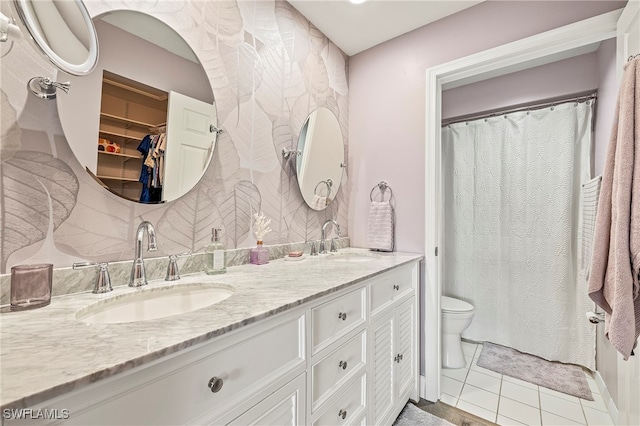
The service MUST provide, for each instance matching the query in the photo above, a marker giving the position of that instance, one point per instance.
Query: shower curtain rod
(576, 97)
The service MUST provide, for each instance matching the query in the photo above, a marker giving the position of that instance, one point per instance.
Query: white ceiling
(357, 27)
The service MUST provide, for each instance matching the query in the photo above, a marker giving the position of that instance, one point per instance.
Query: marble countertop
(47, 352)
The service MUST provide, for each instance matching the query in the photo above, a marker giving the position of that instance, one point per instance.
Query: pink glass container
(31, 286)
(259, 255)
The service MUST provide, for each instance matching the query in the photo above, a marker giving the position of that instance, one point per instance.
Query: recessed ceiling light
(357, 1)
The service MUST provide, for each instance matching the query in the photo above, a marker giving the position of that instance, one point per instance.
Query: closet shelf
(126, 120)
(127, 156)
(160, 96)
(123, 179)
(120, 135)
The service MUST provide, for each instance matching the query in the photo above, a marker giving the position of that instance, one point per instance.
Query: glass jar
(259, 255)
(31, 286)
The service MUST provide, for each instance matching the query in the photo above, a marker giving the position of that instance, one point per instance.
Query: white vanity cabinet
(213, 383)
(347, 358)
(393, 344)
(337, 375)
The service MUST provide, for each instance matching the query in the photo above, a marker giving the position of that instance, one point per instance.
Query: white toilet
(456, 317)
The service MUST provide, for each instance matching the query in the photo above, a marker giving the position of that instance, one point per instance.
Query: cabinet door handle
(343, 414)
(398, 358)
(396, 287)
(343, 365)
(215, 384)
(342, 316)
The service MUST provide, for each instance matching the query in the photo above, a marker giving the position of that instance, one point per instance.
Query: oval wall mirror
(144, 123)
(320, 158)
(61, 30)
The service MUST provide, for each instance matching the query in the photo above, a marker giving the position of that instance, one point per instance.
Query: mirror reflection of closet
(131, 93)
(129, 112)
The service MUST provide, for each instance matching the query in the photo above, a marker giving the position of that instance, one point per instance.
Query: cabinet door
(382, 369)
(405, 344)
(284, 407)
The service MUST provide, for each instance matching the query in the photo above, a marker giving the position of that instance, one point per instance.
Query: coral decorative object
(260, 255)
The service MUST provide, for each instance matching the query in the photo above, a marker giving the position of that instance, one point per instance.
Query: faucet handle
(103, 284)
(314, 249)
(323, 247)
(334, 247)
(173, 273)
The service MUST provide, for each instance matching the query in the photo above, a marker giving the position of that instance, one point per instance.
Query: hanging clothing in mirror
(152, 148)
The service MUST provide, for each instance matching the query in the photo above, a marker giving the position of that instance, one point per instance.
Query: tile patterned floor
(509, 401)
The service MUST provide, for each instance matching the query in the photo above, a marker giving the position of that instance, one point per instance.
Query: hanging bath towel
(614, 281)
(380, 226)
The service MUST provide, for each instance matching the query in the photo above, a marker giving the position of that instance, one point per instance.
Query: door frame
(550, 46)
(628, 372)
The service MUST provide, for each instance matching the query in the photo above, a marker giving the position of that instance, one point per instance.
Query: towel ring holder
(382, 186)
(327, 182)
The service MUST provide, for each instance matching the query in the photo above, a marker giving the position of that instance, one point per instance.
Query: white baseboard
(606, 396)
(423, 389)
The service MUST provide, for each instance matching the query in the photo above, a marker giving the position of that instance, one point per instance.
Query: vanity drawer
(183, 393)
(337, 368)
(390, 287)
(348, 408)
(335, 318)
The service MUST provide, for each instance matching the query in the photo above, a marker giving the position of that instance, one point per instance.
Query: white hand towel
(319, 202)
(380, 226)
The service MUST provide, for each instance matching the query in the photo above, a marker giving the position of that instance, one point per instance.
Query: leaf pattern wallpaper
(268, 66)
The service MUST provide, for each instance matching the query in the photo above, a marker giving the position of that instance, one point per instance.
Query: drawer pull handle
(342, 316)
(215, 384)
(396, 287)
(343, 365)
(343, 414)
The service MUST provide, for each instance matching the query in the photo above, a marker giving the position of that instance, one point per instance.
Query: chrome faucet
(323, 248)
(138, 275)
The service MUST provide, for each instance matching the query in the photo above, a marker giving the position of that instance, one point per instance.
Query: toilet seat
(451, 305)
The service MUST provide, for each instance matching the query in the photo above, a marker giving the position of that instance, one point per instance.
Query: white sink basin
(153, 303)
(351, 257)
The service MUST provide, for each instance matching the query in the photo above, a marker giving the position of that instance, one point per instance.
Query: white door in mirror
(190, 143)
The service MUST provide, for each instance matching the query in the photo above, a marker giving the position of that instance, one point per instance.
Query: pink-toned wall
(566, 77)
(387, 100)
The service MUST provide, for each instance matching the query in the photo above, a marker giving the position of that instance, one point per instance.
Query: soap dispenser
(215, 255)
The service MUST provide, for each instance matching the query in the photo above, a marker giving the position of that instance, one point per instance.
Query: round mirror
(320, 158)
(62, 30)
(144, 123)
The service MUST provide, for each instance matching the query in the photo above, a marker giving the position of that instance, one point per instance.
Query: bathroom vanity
(324, 341)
